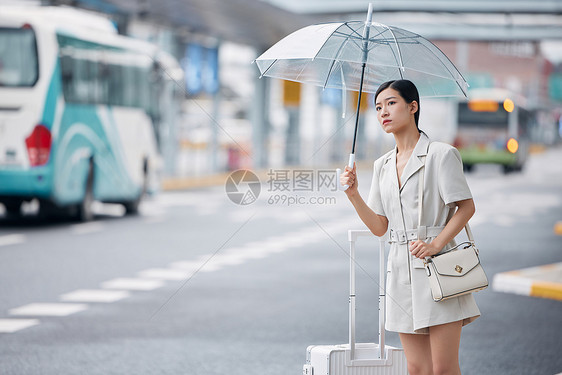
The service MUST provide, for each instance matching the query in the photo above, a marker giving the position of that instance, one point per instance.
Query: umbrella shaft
(358, 107)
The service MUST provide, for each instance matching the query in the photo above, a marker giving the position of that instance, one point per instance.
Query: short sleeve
(452, 182)
(375, 200)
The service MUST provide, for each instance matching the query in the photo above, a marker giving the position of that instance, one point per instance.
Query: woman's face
(393, 113)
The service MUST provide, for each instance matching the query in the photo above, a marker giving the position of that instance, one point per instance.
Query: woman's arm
(377, 224)
(465, 210)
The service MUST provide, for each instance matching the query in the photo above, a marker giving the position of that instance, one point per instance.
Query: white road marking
(275, 244)
(13, 325)
(151, 209)
(230, 258)
(97, 295)
(87, 228)
(186, 265)
(210, 267)
(108, 209)
(198, 265)
(132, 284)
(504, 282)
(11, 239)
(261, 249)
(48, 309)
(165, 274)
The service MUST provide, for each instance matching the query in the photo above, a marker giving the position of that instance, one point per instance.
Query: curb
(542, 281)
(184, 183)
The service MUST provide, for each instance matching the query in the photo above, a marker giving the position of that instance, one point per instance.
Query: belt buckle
(402, 237)
(398, 236)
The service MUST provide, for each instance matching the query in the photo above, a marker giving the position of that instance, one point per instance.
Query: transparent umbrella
(359, 56)
(332, 55)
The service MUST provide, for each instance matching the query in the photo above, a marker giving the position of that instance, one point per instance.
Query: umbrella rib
(352, 30)
(299, 75)
(373, 38)
(349, 38)
(328, 75)
(326, 41)
(269, 67)
(460, 87)
(333, 62)
(399, 53)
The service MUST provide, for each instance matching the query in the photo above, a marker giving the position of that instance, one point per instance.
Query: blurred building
(232, 119)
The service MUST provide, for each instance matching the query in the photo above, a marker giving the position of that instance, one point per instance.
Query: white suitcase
(357, 358)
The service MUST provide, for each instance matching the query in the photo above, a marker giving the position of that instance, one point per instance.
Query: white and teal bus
(78, 111)
(493, 127)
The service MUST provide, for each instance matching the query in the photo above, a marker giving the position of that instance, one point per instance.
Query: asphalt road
(196, 284)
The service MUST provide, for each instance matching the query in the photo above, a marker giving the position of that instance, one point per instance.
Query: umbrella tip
(370, 13)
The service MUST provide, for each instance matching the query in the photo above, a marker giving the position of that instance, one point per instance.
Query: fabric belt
(422, 233)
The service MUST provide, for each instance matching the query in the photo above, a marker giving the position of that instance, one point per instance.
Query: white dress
(409, 305)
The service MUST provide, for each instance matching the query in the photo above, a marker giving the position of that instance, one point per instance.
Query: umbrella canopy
(332, 54)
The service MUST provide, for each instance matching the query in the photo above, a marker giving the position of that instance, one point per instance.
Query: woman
(429, 331)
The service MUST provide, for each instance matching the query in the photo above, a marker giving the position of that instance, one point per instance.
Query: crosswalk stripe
(97, 295)
(186, 265)
(13, 325)
(132, 284)
(11, 239)
(48, 309)
(165, 274)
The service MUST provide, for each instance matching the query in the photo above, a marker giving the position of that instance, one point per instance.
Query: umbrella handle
(338, 172)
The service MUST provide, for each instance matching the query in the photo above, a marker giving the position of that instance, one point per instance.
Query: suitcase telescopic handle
(352, 236)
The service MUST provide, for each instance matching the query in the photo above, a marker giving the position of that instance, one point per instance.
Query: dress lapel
(390, 167)
(414, 163)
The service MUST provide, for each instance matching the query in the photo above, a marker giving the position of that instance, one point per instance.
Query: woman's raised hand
(349, 178)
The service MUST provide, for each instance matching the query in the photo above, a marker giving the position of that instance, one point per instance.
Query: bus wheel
(85, 212)
(132, 207)
(49, 210)
(508, 169)
(13, 208)
(468, 167)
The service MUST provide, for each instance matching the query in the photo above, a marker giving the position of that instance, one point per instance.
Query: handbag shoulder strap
(420, 205)
(420, 192)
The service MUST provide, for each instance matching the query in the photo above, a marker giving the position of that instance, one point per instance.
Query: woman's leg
(445, 340)
(418, 353)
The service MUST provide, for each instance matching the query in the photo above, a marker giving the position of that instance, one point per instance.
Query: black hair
(407, 90)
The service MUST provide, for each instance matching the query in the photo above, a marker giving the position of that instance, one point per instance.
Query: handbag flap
(456, 262)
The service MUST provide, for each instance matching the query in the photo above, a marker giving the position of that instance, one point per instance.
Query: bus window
(18, 57)
(482, 116)
(98, 74)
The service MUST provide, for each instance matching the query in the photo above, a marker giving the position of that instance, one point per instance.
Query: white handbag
(457, 271)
